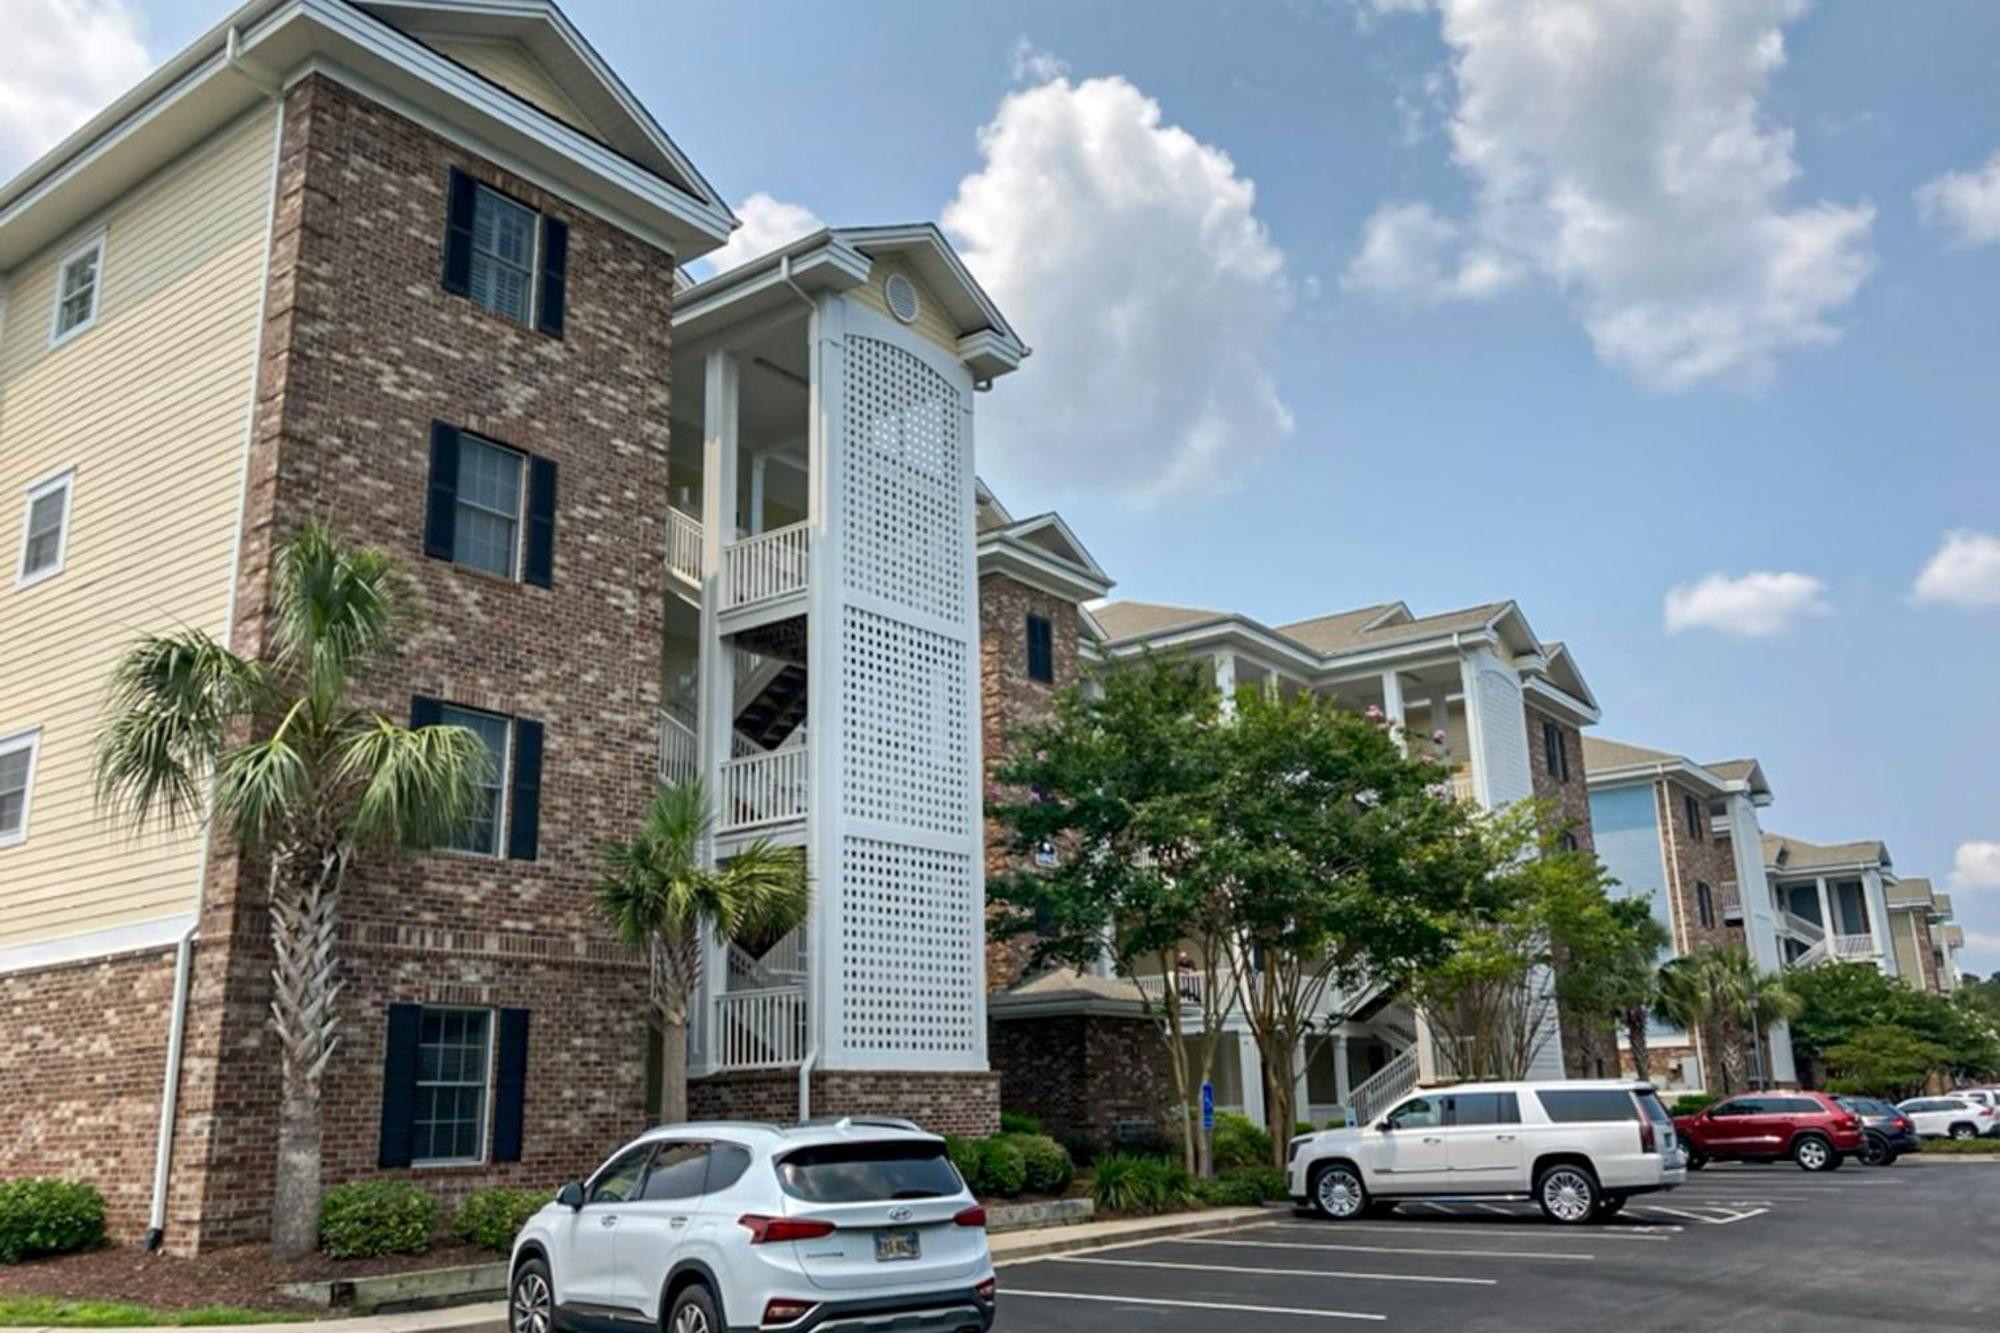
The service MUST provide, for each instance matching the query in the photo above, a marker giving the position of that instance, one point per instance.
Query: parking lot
(1737, 1248)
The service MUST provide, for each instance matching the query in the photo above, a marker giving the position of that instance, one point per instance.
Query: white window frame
(502, 825)
(520, 551)
(534, 303)
(64, 481)
(13, 743)
(485, 1091)
(58, 335)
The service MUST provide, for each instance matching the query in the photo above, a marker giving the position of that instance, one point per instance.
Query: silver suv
(699, 1228)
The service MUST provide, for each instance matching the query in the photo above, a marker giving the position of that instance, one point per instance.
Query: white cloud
(62, 62)
(1965, 571)
(1129, 255)
(1622, 152)
(1755, 605)
(1965, 205)
(1031, 64)
(1976, 865)
(767, 224)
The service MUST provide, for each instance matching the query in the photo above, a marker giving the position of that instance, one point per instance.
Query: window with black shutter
(1704, 903)
(1555, 751)
(490, 507)
(1692, 808)
(503, 255)
(506, 817)
(1041, 650)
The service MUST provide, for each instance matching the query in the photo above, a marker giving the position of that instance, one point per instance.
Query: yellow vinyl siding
(150, 407)
(509, 65)
(931, 319)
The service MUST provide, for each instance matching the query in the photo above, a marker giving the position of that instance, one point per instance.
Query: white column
(1475, 748)
(1225, 681)
(1827, 921)
(1251, 1076)
(1341, 1087)
(716, 692)
(1875, 902)
(1427, 1064)
(757, 465)
(1392, 706)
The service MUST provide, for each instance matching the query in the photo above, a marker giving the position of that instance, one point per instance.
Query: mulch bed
(247, 1275)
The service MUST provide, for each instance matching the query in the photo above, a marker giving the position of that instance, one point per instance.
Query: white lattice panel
(905, 712)
(902, 520)
(908, 956)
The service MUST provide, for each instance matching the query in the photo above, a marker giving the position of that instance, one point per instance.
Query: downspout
(812, 988)
(163, 1144)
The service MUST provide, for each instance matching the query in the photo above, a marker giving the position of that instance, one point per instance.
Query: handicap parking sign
(1207, 1104)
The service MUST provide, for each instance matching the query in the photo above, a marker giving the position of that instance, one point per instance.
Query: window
(17, 777)
(1555, 751)
(482, 832)
(1692, 808)
(1569, 843)
(44, 530)
(868, 1172)
(490, 507)
(487, 528)
(1704, 904)
(78, 280)
(450, 1120)
(726, 1164)
(678, 1172)
(1485, 1108)
(1572, 1106)
(1041, 650)
(1741, 1106)
(619, 1177)
(503, 255)
(1418, 1113)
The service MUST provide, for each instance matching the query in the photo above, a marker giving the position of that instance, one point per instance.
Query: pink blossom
(1438, 736)
(1373, 714)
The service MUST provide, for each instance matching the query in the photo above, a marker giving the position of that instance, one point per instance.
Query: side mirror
(570, 1195)
(1386, 1128)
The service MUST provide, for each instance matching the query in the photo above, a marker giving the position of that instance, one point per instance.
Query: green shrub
(1271, 1182)
(964, 1155)
(1013, 1122)
(492, 1218)
(1049, 1169)
(1236, 1141)
(42, 1216)
(1228, 1192)
(1003, 1171)
(1690, 1102)
(1126, 1184)
(1303, 1127)
(1973, 1147)
(371, 1217)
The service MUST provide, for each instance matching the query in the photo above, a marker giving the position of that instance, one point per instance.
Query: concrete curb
(1043, 1242)
(486, 1317)
(424, 1289)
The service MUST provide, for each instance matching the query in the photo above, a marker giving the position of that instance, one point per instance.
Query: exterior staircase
(771, 703)
(1383, 1087)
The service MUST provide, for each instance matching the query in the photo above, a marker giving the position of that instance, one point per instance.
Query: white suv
(701, 1228)
(1577, 1148)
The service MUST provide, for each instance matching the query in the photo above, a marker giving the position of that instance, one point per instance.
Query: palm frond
(173, 698)
(262, 789)
(337, 606)
(417, 786)
(761, 891)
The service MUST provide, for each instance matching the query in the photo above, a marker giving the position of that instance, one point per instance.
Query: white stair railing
(1384, 1086)
(683, 545)
(1811, 957)
(764, 788)
(770, 564)
(1849, 948)
(783, 964)
(760, 1029)
(679, 752)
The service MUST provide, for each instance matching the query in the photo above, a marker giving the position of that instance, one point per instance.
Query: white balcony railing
(770, 564)
(1849, 948)
(1189, 986)
(765, 788)
(683, 545)
(1461, 787)
(1802, 928)
(679, 754)
(760, 1029)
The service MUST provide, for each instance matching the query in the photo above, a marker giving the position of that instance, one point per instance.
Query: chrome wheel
(533, 1308)
(1813, 1154)
(1568, 1195)
(1964, 1132)
(1339, 1193)
(690, 1318)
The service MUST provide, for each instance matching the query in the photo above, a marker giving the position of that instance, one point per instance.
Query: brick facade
(965, 1104)
(1571, 797)
(1694, 861)
(1084, 1075)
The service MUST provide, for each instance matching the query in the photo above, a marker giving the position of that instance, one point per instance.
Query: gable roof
(1131, 620)
(1342, 629)
(1796, 854)
(1040, 551)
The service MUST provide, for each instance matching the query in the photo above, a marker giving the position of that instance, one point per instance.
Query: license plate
(897, 1245)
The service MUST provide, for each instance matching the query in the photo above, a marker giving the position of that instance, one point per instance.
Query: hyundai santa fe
(1578, 1148)
(702, 1228)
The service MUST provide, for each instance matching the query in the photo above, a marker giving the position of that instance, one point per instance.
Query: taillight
(769, 1230)
(985, 1290)
(1648, 1141)
(974, 1216)
(781, 1311)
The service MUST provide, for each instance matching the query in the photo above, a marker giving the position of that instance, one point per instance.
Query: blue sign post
(1207, 1104)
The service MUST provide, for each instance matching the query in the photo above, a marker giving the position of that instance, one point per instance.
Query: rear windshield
(865, 1172)
(1569, 1106)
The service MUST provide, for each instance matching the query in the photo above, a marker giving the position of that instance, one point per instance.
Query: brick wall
(965, 1104)
(1081, 1075)
(1571, 798)
(1708, 860)
(362, 349)
(84, 1050)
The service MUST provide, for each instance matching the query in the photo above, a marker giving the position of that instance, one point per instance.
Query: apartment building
(1510, 708)
(1844, 902)
(411, 266)
(1685, 836)
(1922, 935)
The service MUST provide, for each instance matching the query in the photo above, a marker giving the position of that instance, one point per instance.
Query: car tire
(1336, 1193)
(531, 1299)
(1814, 1153)
(1875, 1151)
(693, 1312)
(1568, 1194)
(1964, 1132)
(1611, 1207)
(1695, 1160)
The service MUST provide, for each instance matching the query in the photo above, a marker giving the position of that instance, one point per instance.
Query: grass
(1963, 1147)
(56, 1312)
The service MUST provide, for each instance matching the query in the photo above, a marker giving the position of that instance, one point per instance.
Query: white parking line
(1014, 1292)
(1614, 1231)
(1732, 1215)
(1391, 1249)
(1285, 1272)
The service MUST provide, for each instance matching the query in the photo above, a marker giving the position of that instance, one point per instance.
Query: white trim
(29, 739)
(519, 557)
(64, 481)
(140, 937)
(485, 1091)
(92, 247)
(503, 824)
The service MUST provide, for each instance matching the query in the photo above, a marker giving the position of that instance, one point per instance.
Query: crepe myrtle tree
(280, 757)
(661, 896)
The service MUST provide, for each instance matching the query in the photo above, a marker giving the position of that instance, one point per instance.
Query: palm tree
(279, 756)
(1752, 1000)
(1686, 996)
(658, 893)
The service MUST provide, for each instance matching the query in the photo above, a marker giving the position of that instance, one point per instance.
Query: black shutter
(1041, 649)
(460, 195)
(555, 265)
(423, 711)
(524, 825)
(399, 1084)
(541, 521)
(441, 508)
(510, 1085)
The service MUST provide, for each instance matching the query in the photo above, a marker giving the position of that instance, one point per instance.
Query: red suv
(1810, 1128)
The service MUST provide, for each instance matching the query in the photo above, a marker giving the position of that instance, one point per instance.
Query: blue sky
(1358, 300)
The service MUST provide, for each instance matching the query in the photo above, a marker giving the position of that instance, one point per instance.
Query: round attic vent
(901, 294)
